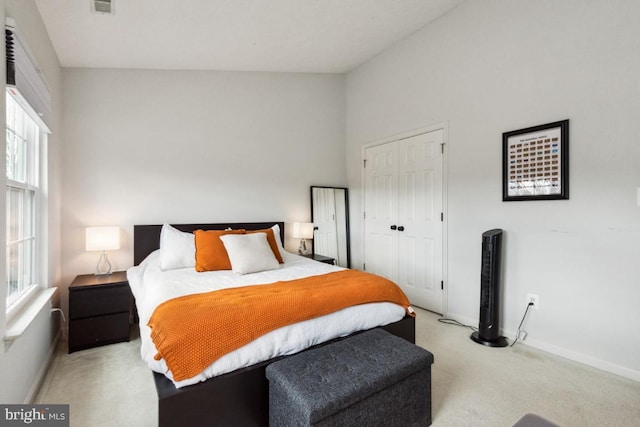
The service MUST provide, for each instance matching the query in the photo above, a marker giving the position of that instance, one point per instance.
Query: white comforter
(151, 286)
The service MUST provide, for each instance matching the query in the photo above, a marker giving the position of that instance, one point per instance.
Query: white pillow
(276, 233)
(177, 248)
(249, 253)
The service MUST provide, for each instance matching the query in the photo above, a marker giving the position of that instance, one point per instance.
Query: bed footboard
(239, 398)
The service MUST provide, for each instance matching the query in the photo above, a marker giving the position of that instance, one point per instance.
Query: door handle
(401, 228)
(393, 227)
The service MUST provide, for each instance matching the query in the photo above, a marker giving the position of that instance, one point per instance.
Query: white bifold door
(403, 215)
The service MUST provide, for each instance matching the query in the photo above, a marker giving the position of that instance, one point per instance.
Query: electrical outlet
(535, 299)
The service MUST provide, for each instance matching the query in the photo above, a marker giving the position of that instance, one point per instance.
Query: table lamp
(303, 231)
(103, 239)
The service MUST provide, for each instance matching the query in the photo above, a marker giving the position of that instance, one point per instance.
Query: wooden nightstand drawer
(91, 302)
(95, 331)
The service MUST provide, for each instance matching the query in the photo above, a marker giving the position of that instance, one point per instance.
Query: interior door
(341, 223)
(381, 210)
(325, 239)
(330, 217)
(419, 219)
(403, 206)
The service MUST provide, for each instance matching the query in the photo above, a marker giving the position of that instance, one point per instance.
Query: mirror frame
(346, 210)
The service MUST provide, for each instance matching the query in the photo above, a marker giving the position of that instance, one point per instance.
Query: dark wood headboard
(146, 238)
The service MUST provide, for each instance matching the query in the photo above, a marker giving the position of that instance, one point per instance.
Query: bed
(238, 397)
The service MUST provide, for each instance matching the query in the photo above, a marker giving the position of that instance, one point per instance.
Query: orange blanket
(193, 331)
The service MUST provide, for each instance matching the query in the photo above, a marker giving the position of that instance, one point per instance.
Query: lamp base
(302, 249)
(103, 268)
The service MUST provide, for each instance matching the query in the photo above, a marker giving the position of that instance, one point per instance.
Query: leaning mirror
(330, 217)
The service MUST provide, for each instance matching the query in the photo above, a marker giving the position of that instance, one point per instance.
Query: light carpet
(472, 385)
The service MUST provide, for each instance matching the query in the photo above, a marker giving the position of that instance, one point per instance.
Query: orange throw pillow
(271, 238)
(210, 252)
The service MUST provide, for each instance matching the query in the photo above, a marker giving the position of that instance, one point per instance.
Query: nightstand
(99, 310)
(321, 258)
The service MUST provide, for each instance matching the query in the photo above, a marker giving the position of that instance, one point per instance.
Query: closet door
(403, 206)
(381, 210)
(419, 219)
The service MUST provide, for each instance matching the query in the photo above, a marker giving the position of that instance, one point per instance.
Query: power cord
(54, 309)
(521, 322)
(455, 323)
(63, 322)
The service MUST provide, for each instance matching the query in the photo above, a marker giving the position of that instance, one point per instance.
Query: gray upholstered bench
(370, 379)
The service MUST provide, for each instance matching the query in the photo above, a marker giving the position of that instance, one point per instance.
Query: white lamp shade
(303, 230)
(102, 238)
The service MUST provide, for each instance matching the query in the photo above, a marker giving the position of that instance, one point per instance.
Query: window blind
(24, 79)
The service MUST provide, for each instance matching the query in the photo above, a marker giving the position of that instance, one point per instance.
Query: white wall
(23, 361)
(498, 65)
(145, 147)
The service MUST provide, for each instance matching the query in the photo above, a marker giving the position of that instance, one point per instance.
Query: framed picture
(535, 163)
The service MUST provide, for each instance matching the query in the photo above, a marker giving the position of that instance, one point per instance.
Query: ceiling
(318, 36)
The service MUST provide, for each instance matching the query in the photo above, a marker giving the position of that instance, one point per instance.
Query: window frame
(34, 141)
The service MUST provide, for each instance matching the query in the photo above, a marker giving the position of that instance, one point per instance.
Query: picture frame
(535, 163)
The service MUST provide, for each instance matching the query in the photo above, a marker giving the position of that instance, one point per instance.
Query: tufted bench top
(323, 381)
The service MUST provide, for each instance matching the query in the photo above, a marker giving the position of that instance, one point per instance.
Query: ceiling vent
(105, 7)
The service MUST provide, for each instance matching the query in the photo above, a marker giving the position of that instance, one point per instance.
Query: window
(23, 138)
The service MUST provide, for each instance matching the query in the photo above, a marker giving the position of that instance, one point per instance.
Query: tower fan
(488, 332)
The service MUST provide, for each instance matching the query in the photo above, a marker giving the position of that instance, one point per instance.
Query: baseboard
(583, 359)
(561, 352)
(42, 372)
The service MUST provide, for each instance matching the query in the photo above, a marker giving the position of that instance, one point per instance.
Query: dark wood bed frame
(238, 398)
